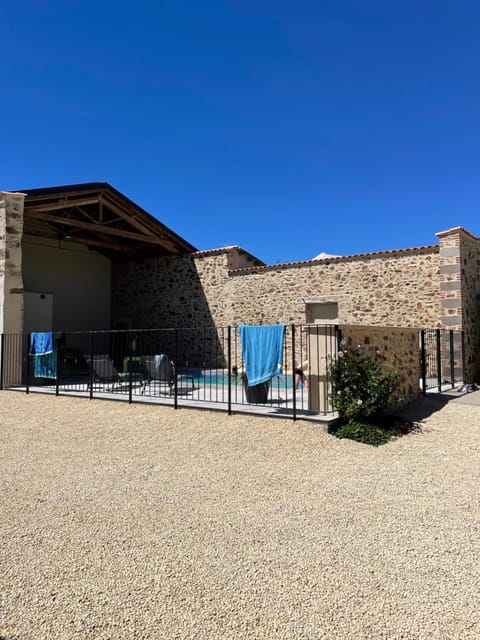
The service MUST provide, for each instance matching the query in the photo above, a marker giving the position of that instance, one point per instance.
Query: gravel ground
(147, 523)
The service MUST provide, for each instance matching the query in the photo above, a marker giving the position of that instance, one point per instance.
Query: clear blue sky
(287, 127)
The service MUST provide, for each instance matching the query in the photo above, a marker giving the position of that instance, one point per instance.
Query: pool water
(212, 378)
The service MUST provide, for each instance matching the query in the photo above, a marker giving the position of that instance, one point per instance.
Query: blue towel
(45, 365)
(262, 351)
(41, 343)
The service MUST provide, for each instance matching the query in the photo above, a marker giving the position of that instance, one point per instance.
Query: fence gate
(442, 353)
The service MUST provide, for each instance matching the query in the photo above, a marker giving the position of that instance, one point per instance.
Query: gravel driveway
(144, 522)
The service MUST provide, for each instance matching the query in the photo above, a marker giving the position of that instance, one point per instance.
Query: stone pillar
(11, 283)
(11, 280)
(450, 267)
(460, 290)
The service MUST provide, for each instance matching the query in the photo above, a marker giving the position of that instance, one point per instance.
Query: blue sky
(289, 128)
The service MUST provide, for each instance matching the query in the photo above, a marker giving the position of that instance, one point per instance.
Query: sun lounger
(162, 372)
(104, 371)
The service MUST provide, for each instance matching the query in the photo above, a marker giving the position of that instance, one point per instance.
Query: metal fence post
(229, 365)
(293, 375)
(57, 386)
(27, 386)
(338, 333)
(463, 354)
(423, 362)
(175, 338)
(2, 357)
(439, 360)
(452, 360)
(131, 348)
(91, 366)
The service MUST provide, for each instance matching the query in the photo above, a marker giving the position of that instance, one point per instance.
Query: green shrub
(363, 384)
(363, 432)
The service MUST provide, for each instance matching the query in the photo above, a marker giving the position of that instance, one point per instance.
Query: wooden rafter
(131, 218)
(95, 228)
(93, 242)
(128, 217)
(86, 214)
(63, 204)
(100, 220)
(96, 214)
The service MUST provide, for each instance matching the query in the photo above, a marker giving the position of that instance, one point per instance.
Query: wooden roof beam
(102, 244)
(106, 201)
(128, 217)
(99, 228)
(55, 206)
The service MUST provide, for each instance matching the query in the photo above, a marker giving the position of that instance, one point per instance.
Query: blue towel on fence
(45, 356)
(262, 351)
(45, 365)
(41, 343)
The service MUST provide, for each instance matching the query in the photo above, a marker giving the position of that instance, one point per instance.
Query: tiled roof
(212, 252)
(456, 229)
(356, 256)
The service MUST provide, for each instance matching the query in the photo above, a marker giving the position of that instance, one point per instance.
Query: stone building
(85, 257)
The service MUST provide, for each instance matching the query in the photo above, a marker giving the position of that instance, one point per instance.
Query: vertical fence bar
(423, 362)
(2, 359)
(27, 387)
(130, 368)
(57, 389)
(90, 380)
(175, 381)
(293, 375)
(338, 333)
(318, 360)
(452, 360)
(439, 359)
(236, 361)
(463, 354)
(304, 357)
(337, 346)
(326, 350)
(229, 365)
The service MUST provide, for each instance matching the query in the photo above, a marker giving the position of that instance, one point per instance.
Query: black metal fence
(442, 356)
(204, 366)
(182, 367)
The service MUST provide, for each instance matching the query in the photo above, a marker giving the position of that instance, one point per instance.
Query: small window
(322, 312)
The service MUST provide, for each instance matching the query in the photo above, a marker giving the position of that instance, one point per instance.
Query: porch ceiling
(100, 217)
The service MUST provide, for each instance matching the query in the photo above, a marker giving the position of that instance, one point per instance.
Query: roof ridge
(341, 258)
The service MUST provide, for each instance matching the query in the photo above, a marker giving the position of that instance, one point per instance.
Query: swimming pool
(215, 377)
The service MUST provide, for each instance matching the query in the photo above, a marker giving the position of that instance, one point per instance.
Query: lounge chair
(104, 371)
(161, 371)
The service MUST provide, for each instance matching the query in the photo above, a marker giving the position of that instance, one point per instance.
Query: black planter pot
(258, 393)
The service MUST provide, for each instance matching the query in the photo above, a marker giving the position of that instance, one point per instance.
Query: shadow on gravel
(424, 407)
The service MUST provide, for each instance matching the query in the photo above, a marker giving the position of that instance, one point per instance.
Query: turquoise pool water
(218, 378)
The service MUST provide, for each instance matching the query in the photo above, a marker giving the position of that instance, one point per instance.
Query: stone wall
(398, 288)
(391, 288)
(399, 346)
(177, 291)
(173, 291)
(199, 290)
(185, 292)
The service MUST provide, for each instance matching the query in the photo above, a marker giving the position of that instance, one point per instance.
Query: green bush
(363, 383)
(363, 432)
